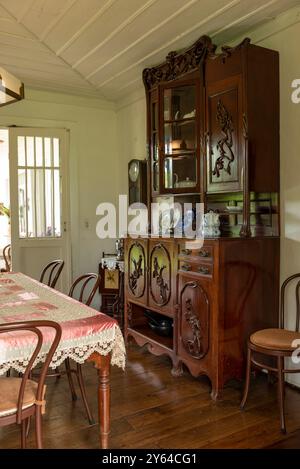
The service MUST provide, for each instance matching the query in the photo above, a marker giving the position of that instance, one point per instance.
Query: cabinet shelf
(181, 154)
(145, 332)
(258, 212)
(180, 121)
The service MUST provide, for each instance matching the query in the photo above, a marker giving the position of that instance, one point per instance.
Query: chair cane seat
(9, 393)
(275, 339)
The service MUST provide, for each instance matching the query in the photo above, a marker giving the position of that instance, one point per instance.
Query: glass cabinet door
(179, 152)
(154, 147)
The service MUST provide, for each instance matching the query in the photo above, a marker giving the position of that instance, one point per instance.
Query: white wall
(281, 34)
(131, 132)
(93, 161)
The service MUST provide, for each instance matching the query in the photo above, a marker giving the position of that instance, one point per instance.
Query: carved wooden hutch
(213, 137)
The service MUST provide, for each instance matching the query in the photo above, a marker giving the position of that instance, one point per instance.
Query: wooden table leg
(102, 364)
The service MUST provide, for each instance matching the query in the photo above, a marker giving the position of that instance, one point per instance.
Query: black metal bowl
(164, 329)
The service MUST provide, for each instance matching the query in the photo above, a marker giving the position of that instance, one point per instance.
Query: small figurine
(120, 249)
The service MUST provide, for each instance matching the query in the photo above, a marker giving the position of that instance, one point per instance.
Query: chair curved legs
(280, 391)
(248, 376)
(23, 433)
(280, 385)
(70, 379)
(83, 394)
(78, 373)
(38, 427)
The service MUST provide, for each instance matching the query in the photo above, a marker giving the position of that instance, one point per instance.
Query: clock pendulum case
(137, 181)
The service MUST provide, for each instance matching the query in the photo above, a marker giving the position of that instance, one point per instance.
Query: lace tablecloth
(112, 263)
(84, 330)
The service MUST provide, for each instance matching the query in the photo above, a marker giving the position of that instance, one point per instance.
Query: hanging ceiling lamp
(11, 88)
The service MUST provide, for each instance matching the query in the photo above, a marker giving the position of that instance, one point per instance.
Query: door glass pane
(56, 151)
(57, 196)
(48, 197)
(180, 103)
(39, 187)
(154, 147)
(21, 151)
(155, 176)
(39, 151)
(40, 204)
(180, 172)
(154, 117)
(180, 137)
(22, 203)
(30, 151)
(47, 149)
(31, 233)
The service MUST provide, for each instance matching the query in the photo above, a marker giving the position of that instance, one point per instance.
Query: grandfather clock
(137, 181)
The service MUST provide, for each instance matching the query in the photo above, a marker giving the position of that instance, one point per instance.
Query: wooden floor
(151, 409)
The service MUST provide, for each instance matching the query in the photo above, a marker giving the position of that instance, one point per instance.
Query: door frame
(64, 135)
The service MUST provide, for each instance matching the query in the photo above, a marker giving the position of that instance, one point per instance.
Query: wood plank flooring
(151, 409)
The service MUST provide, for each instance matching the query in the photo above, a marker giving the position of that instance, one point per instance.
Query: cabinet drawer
(206, 252)
(204, 269)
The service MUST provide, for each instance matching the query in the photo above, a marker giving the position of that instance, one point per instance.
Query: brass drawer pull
(203, 270)
(187, 252)
(186, 267)
(203, 253)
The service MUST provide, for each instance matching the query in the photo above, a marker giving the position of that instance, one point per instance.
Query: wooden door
(161, 276)
(136, 251)
(39, 197)
(225, 142)
(194, 318)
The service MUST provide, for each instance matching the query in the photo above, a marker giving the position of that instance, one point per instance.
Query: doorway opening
(5, 235)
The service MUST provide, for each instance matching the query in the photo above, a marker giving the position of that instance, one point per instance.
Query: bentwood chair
(7, 258)
(278, 343)
(22, 398)
(51, 273)
(81, 284)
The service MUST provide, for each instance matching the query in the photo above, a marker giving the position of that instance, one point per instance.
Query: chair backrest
(51, 272)
(84, 281)
(282, 300)
(34, 327)
(7, 257)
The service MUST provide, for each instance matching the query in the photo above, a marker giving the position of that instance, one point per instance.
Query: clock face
(134, 171)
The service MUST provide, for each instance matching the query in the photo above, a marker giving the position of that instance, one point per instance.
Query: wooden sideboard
(216, 296)
(212, 138)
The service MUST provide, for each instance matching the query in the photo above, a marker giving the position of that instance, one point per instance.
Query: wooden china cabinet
(213, 138)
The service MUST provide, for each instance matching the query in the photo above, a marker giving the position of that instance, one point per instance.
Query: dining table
(87, 335)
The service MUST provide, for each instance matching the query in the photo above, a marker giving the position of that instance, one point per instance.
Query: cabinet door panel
(194, 319)
(136, 268)
(225, 138)
(160, 275)
(181, 118)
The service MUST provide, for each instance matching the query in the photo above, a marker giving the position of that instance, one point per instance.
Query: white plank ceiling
(100, 47)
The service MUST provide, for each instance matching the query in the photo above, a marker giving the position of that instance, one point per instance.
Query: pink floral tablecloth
(84, 330)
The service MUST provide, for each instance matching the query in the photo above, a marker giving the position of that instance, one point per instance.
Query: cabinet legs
(177, 370)
(216, 390)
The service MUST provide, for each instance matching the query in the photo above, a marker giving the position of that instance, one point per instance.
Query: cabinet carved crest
(178, 64)
(194, 320)
(160, 275)
(136, 269)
